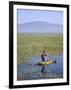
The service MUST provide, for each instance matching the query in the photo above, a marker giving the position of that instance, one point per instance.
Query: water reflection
(43, 72)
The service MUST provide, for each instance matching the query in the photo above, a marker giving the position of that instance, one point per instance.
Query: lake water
(28, 71)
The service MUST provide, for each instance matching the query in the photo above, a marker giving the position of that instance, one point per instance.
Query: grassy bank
(29, 45)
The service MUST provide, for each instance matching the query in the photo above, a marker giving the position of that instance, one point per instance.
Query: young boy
(43, 54)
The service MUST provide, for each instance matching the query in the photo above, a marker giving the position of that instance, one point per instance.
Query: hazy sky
(25, 16)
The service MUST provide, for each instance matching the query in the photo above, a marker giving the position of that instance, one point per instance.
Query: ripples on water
(29, 72)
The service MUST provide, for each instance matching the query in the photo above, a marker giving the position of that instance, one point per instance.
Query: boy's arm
(45, 54)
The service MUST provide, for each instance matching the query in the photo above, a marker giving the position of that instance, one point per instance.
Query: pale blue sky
(25, 16)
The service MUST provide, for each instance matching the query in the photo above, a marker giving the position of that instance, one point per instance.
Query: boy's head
(43, 51)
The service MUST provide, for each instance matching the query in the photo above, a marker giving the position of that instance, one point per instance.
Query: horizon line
(40, 21)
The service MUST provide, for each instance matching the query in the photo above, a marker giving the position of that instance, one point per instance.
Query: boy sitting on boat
(43, 54)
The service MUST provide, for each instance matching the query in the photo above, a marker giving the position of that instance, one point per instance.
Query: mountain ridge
(39, 26)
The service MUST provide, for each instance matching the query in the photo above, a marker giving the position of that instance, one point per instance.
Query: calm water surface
(28, 71)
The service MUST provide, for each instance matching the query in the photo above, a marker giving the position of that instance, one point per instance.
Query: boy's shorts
(43, 59)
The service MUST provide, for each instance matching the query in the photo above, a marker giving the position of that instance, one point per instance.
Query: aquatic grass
(29, 45)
